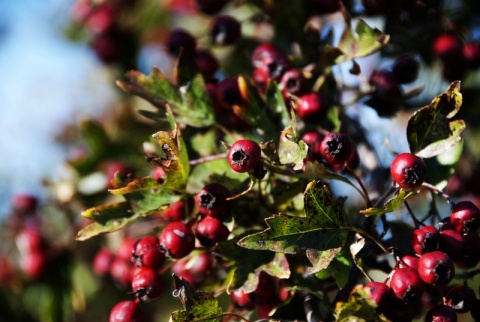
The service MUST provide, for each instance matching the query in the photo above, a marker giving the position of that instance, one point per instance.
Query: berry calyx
(407, 285)
(177, 239)
(147, 284)
(336, 148)
(127, 311)
(211, 230)
(212, 199)
(408, 170)
(425, 239)
(436, 268)
(244, 155)
(465, 217)
(146, 252)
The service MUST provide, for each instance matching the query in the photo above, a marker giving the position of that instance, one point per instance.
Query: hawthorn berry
(146, 252)
(269, 61)
(336, 148)
(180, 41)
(212, 199)
(409, 261)
(244, 155)
(125, 249)
(225, 30)
(30, 239)
(103, 261)
(407, 285)
(386, 86)
(211, 230)
(206, 63)
(313, 140)
(471, 54)
(177, 239)
(380, 294)
(147, 284)
(436, 268)
(408, 170)
(117, 173)
(441, 313)
(159, 174)
(460, 298)
(243, 300)
(425, 239)
(34, 264)
(127, 311)
(121, 271)
(310, 107)
(194, 269)
(465, 217)
(447, 47)
(405, 69)
(24, 203)
(178, 210)
(293, 82)
(452, 243)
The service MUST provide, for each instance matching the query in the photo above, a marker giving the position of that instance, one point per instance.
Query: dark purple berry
(441, 313)
(460, 298)
(406, 69)
(225, 30)
(180, 41)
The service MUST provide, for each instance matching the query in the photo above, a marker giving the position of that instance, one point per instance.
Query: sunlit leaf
(291, 152)
(390, 205)
(358, 308)
(431, 130)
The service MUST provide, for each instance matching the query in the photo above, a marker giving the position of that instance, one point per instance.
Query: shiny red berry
(125, 249)
(146, 252)
(177, 239)
(122, 271)
(127, 311)
(103, 261)
(436, 268)
(336, 148)
(408, 170)
(380, 294)
(269, 62)
(225, 30)
(407, 285)
(293, 82)
(465, 217)
(194, 269)
(311, 107)
(471, 54)
(147, 284)
(212, 199)
(180, 41)
(178, 210)
(244, 155)
(425, 239)
(243, 300)
(313, 140)
(211, 230)
(447, 47)
(409, 261)
(452, 243)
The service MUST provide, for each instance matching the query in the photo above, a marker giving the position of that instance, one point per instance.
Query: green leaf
(146, 194)
(196, 110)
(340, 267)
(291, 152)
(366, 41)
(274, 100)
(389, 206)
(321, 259)
(358, 308)
(108, 212)
(323, 227)
(197, 305)
(431, 130)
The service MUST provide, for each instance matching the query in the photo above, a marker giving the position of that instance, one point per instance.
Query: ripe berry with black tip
(103, 261)
(436, 268)
(452, 243)
(460, 298)
(127, 311)
(158, 174)
(180, 41)
(336, 148)
(212, 199)
(194, 269)
(225, 30)
(177, 239)
(425, 239)
(381, 294)
(146, 252)
(311, 107)
(409, 261)
(270, 61)
(211, 230)
(147, 284)
(244, 155)
(406, 68)
(441, 313)
(243, 300)
(407, 285)
(408, 170)
(210, 7)
(293, 82)
(465, 217)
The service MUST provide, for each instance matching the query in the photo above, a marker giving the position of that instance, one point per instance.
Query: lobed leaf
(431, 130)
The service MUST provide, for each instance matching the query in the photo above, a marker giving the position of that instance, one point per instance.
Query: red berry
(441, 313)
(409, 261)
(121, 271)
(405, 69)
(127, 311)
(310, 107)
(336, 148)
(380, 294)
(194, 269)
(408, 170)
(425, 239)
(225, 30)
(103, 261)
(228, 93)
(244, 155)
(460, 298)
(34, 264)
(313, 140)
(407, 285)
(207, 63)
(211, 230)
(293, 82)
(447, 47)
(117, 170)
(126, 248)
(436, 268)
(243, 300)
(30, 239)
(471, 54)
(386, 86)
(266, 290)
(146, 252)
(159, 174)
(147, 284)
(177, 211)
(212, 199)
(177, 239)
(180, 41)
(452, 243)
(24, 203)
(268, 58)
(465, 217)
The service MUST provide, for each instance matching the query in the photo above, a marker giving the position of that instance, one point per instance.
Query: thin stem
(440, 192)
(250, 186)
(417, 222)
(208, 158)
(371, 237)
(364, 189)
